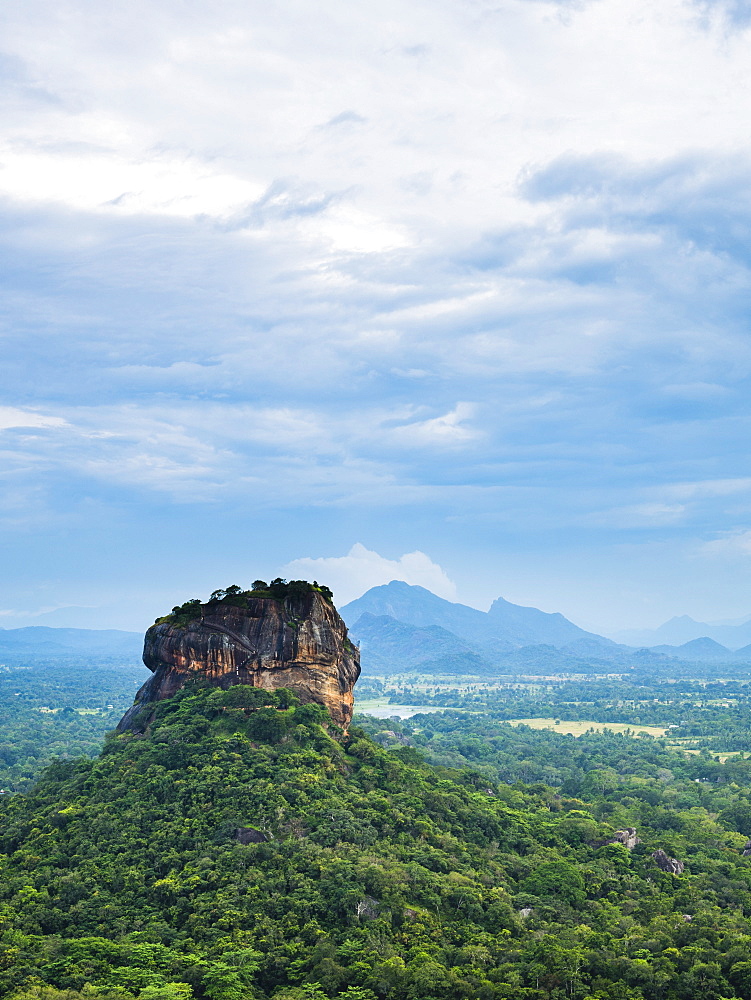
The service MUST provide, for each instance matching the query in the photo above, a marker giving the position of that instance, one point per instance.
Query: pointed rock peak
(501, 606)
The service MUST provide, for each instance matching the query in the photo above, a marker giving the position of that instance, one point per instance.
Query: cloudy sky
(455, 292)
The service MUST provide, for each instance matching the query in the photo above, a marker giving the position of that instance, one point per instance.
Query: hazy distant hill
(41, 640)
(418, 607)
(682, 629)
(386, 643)
(524, 626)
(702, 649)
(402, 627)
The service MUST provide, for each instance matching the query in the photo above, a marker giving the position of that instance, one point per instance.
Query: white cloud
(106, 181)
(642, 515)
(351, 575)
(449, 429)
(196, 112)
(12, 416)
(733, 544)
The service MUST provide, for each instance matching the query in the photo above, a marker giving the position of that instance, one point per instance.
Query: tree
(559, 879)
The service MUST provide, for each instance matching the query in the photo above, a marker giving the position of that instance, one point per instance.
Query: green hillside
(372, 874)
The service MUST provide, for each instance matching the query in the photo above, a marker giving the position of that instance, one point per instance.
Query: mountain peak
(504, 623)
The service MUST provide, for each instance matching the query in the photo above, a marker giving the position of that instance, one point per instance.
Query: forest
(710, 712)
(369, 872)
(246, 848)
(53, 709)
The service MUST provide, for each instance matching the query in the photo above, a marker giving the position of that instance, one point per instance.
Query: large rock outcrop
(298, 642)
(668, 864)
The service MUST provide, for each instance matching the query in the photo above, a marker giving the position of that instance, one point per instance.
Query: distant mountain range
(42, 640)
(705, 649)
(401, 627)
(509, 624)
(683, 629)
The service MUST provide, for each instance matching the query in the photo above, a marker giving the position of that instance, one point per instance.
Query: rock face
(249, 835)
(626, 837)
(299, 643)
(668, 864)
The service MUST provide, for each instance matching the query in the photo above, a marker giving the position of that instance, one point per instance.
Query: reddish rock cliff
(299, 642)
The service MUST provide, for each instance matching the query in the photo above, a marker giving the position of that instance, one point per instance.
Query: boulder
(626, 837)
(368, 908)
(249, 835)
(668, 864)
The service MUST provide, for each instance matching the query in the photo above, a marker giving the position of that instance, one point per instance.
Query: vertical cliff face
(299, 642)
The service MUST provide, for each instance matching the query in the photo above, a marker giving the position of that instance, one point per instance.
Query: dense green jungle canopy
(509, 754)
(372, 874)
(59, 708)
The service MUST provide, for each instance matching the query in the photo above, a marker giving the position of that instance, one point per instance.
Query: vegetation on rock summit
(234, 596)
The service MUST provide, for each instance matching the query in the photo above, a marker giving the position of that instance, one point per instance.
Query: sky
(454, 292)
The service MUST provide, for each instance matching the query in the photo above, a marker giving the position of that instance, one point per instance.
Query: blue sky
(453, 292)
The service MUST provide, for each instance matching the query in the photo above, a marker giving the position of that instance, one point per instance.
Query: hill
(374, 618)
(407, 628)
(703, 650)
(420, 608)
(530, 626)
(385, 643)
(241, 851)
(507, 623)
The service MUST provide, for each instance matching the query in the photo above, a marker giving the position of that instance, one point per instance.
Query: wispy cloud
(12, 416)
(732, 544)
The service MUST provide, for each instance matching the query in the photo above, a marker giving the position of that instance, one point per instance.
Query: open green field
(686, 746)
(580, 727)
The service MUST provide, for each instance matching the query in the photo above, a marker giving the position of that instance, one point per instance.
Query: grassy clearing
(580, 727)
(722, 757)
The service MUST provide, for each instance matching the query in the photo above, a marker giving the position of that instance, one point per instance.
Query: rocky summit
(276, 636)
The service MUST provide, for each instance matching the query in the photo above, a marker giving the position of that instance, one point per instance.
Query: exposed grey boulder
(667, 864)
(368, 908)
(626, 837)
(249, 835)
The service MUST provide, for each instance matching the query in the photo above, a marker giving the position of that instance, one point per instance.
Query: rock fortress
(282, 635)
